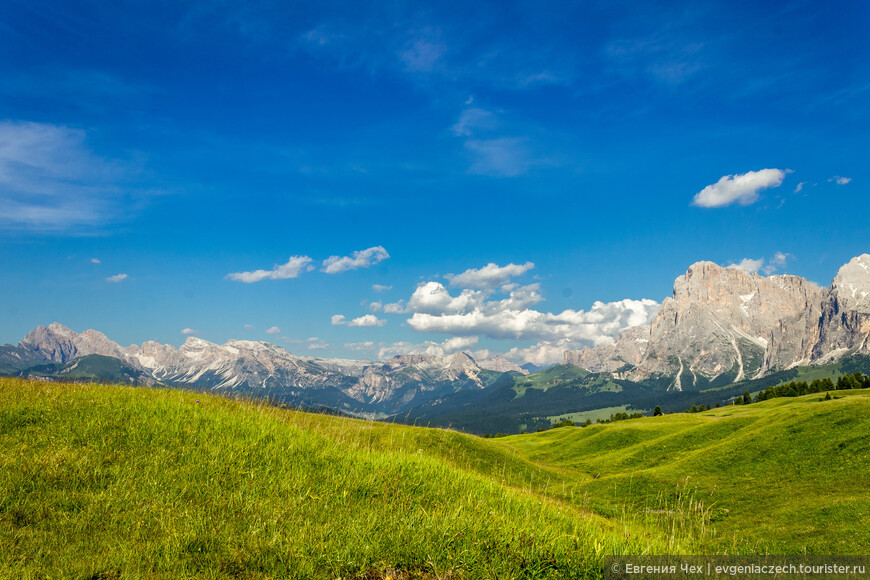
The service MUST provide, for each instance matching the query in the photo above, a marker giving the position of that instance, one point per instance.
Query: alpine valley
(723, 331)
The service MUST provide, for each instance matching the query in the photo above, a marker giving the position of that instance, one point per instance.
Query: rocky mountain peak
(852, 285)
(55, 342)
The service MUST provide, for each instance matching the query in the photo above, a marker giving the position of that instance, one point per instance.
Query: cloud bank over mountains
(488, 303)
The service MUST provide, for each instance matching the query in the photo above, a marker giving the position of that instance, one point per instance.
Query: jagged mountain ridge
(727, 325)
(264, 368)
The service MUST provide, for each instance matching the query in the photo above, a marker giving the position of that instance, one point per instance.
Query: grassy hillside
(106, 482)
(783, 476)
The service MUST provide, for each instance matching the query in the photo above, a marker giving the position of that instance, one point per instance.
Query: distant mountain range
(252, 368)
(722, 326)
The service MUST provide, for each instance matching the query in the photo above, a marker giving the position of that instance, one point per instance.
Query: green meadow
(122, 482)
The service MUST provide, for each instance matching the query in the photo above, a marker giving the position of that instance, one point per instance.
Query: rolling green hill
(788, 475)
(107, 481)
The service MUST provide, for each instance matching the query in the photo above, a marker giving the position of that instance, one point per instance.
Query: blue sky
(154, 156)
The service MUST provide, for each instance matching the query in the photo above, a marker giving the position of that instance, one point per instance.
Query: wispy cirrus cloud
(294, 266)
(499, 157)
(51, 180)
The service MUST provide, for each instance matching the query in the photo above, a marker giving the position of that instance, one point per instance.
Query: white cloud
(117, 278)
(490, 276)
(294, 266)
(273, 330)
(381, 288)
(376, 306)
(50, 180)
(748, 265)
(471, 313)
(360, 259)
(543, 353)
(318, 346)
(367, 320)
(840, 180)
(95, 261)
(433, 298)
(338, 319)
(799, 187)
(777, 262)
(249, 326)
(501, 157)
(189, 331)
(395, 307)
(429, 348)
(742, 189)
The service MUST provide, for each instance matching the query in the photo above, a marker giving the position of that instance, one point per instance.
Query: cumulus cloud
(189, 331)
(429, 348)
(95, 261)
(433, 297)
(748, 265)
(318, 346)
(366, 320)
(381, 288)
(273, 330)
(541, 354)
(742, 188)
(601, 324)
(395, 307)
(360, 259)
(338, 319)
(840, 180)
(490, 276)
(249, 326)
(777, 262)
(117, 278)
(376, 306)
(294, 266)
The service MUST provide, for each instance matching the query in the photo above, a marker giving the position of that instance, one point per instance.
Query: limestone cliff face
(845, 319)
(58, 343)
(725, 322)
